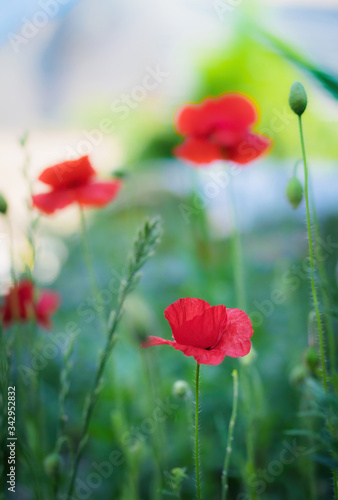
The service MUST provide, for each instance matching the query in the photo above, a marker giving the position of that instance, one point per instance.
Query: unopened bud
(298, 375)
(311, 358)
(51, 464)
(298, 98)
(294, 192)
(181, 389)
(3, 204)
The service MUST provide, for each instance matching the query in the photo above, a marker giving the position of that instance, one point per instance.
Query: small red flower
(21, 305)
(220, 128)
(73, 182)
(207, 333)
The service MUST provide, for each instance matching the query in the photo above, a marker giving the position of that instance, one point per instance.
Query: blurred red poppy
(206, 333)
(220, 128)
(73, 182)
(20, 305)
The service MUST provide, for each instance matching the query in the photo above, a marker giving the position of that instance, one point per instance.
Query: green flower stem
(197, 451)
(312, 263)
(144, 246)
(323, 284)
(230, 437)
(314, 291)
(91, 273)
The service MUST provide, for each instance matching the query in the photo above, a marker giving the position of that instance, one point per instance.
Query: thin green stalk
(230, 437)
(312, 263)
(314, 291)
(91, 273)
(197, 451)
(323, 284)
(144, 246)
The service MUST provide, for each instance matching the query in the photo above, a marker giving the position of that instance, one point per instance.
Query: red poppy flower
(73, 182)
(206, 333)
(21, 305)
(220, 128)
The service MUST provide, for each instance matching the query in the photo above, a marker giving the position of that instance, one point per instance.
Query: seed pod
(311, 358)
(294, 192)
(51, 464)
(3, 204)
(181, 389)
(298, 98)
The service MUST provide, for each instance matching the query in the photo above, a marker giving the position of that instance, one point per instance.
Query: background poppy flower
(207, 333)
(220, 128)
(73, 182)
(21, 305)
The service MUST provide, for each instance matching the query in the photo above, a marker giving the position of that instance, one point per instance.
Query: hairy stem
(230, 437)
(197, 455)
(313, 289)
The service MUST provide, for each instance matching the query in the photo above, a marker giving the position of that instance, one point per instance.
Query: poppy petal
(156, 341)
(203, 331)
(235, 341)
(202, 356)
(249, 148)
(97, 194)
(48, 303)
(68, 173)
(229, 110)
(54, 200)
(184, 310)
(198, 151)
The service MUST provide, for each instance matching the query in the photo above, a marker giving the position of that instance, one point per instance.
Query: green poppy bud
(298, 98)
(298, 375)
(181, 389)
(311, 358)
(51, 464)
(294, 192)
(3, 204)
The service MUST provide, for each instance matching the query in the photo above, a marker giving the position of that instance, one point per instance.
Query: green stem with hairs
(230, 437)
(314, 291)
(197, 454)
(323, 284)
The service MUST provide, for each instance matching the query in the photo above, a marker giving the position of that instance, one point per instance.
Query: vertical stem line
(197, 457)
(230, 437)
(314, 291)
(312, 264)
(325, 296)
